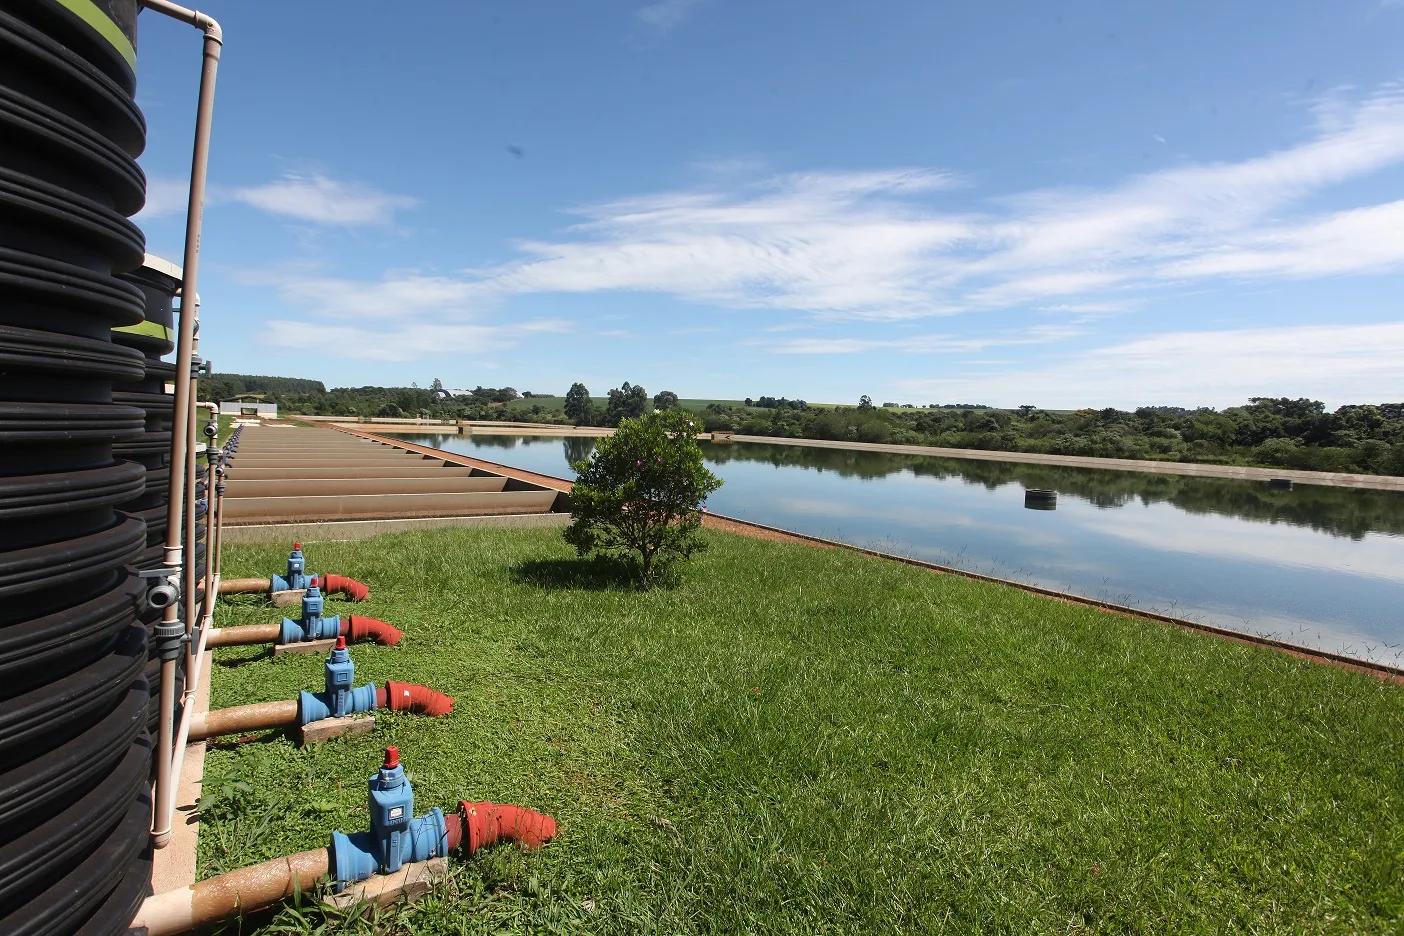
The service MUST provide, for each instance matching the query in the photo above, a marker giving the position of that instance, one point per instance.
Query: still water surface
(1319, 566)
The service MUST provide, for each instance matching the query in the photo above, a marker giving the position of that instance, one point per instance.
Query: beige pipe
(242, 718)
(211, 514)
(219, 535)
(188, 541)
(195, 655)
(192, 686)
(241, 891)
(241, 636)
(244, 586)
(194, 221)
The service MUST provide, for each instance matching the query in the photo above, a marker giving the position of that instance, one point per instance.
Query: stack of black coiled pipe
(74, 752)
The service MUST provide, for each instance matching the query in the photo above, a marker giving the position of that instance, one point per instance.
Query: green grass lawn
(796, 740)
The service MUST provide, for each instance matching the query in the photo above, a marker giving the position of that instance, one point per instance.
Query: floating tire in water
(1035, 499)
(75, 756)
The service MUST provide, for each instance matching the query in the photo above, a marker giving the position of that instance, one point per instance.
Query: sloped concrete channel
(298, 475)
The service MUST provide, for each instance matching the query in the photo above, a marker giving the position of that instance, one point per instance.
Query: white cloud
(877, 245)
(1233, 538)
(164, 196)
(404, 316)
(407, 341)
(666, 14)
(1335, 363)
(921, 344)
(322, 200)
(1358, 241)
(403, 295)
(886, 245)
(824, 242)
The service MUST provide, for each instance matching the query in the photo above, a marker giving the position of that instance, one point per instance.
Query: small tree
(665, 400)
(626, 402)
(578, 407)
(642, 492)
(865, 402)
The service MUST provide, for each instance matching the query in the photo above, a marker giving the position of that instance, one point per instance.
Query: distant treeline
(223, 386)
(1271, 432)
(295, 396)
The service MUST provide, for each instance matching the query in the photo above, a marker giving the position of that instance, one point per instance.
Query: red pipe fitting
(355, 628)
(356, 591)
(408, 697)
(479, 825)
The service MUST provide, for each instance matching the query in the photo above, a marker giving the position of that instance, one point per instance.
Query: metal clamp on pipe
(395, 837)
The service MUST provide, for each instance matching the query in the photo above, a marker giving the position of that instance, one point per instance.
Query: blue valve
(311, 626)
(394, 837)
(339, 699)
(297, 578)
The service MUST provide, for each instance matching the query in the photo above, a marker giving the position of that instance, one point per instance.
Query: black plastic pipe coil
(75, 753)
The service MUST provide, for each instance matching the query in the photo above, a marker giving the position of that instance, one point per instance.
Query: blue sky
(1057, 203)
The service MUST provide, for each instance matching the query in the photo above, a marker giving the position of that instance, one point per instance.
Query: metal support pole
(171, 631)
(188, 541)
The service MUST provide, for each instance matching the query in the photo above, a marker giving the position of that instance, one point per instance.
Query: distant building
(248, 404)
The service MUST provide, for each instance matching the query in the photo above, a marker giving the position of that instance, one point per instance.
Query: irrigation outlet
(312, 625)
(394, 837)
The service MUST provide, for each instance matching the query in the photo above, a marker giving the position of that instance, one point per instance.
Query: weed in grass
(795, 740)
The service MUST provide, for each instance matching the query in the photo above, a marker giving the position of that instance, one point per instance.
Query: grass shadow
(241, 655)
(263, 736)
(245, 600)
(595, 573)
